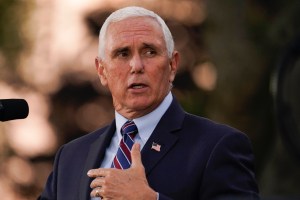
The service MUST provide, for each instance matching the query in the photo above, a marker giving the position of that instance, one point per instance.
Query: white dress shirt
(145, 124)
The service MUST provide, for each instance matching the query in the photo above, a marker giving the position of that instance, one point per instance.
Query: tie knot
(129, 128)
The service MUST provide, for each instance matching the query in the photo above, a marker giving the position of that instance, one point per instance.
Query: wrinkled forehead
(142, 28)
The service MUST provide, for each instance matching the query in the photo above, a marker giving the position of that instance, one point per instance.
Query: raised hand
(131, 183)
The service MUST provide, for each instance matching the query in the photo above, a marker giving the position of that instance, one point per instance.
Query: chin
(139, 105)
(139, 102)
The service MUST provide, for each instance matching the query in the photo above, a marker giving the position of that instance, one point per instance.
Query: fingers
(100, 172)
(97, 192)
(97, 182)
(97, 186)
(109, 183)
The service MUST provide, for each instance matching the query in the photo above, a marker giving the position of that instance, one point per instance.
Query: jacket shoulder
(88, 138)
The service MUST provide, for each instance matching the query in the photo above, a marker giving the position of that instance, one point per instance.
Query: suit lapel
(94, 159)
(150, 157)
(164, 135)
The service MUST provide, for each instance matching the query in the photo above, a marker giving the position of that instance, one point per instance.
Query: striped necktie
(122, 160)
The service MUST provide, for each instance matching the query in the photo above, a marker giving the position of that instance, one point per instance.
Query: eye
(122, 54)
(150, 52)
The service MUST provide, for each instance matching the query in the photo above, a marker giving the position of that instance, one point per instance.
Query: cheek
(111, 74)
(116, 81)
(165, 75)
(160, 81)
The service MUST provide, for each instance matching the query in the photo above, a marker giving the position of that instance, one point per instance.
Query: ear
(174, 62)
(101, 71)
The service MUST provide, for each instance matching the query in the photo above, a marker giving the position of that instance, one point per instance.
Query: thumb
(136, 159)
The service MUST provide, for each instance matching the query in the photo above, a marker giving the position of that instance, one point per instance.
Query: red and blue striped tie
(122, 159)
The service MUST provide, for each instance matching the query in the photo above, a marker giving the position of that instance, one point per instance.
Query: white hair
(134, 11)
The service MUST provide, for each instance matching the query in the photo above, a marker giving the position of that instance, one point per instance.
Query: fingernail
(89, 173)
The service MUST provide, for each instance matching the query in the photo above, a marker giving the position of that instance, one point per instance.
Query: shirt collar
(147, 123)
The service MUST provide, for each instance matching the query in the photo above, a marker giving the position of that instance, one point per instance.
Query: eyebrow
(146, 45)
(121, 49)
(127, 48)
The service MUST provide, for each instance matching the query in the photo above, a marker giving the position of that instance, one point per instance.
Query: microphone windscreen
(13, 109)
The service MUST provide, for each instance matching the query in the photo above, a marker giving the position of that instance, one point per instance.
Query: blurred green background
(230, 53)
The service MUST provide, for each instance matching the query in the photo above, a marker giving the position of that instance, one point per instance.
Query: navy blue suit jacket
(199, 159)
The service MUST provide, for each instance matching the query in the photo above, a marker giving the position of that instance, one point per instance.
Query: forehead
(133, 28)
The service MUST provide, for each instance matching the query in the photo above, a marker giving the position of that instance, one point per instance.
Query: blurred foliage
(244, 39)
(11, 39)
(273, 23)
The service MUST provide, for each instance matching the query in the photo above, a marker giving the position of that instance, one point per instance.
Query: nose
(136, 64)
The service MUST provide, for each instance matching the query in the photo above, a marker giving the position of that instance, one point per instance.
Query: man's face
(136, 67)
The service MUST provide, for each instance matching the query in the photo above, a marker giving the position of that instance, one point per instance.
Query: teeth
(137, 86)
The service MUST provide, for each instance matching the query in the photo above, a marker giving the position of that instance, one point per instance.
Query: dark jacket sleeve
(229, 173)
(50, 190)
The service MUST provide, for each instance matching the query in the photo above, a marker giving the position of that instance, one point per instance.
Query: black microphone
(11, 109)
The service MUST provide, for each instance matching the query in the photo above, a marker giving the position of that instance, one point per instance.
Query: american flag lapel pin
(156, 146)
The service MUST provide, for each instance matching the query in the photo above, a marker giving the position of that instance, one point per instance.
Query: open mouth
(137, 86)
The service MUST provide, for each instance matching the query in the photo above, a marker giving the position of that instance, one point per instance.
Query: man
(164, 152)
